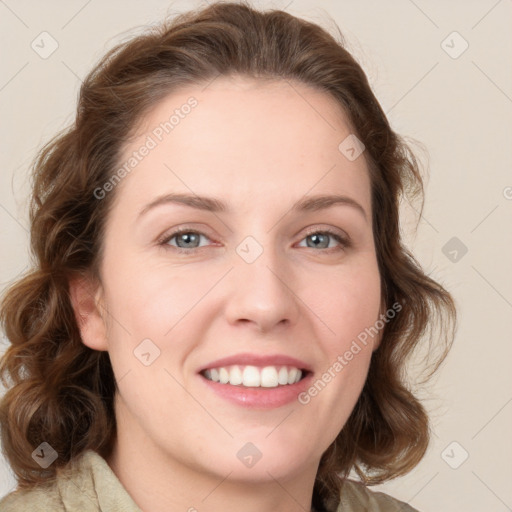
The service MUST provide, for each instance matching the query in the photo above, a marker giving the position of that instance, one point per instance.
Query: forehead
(246, 139)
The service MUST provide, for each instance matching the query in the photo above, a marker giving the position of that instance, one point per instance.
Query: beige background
(459, 108)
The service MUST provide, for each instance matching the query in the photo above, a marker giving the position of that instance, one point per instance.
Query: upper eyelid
(170, 234)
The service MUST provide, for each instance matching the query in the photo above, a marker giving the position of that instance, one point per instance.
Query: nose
(262, 293)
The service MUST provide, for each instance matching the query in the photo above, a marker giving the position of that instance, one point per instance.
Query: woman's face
(245, 290)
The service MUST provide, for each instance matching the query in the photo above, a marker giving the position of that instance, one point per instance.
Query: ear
(86, 299)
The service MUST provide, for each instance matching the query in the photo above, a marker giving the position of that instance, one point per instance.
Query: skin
(259, 147)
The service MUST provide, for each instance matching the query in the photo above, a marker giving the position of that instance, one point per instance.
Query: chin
(264, 464)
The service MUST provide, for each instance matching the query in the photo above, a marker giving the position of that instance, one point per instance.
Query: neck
(159, 482)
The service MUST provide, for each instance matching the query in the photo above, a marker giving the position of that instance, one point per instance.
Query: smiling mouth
(254, 376)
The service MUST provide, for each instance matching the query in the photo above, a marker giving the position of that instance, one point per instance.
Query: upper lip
(257, 360)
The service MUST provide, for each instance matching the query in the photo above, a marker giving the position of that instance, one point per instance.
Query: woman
(222, 307)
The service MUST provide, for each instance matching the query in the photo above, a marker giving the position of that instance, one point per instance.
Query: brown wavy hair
(59, 390)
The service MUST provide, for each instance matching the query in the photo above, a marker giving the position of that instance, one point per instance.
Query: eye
(322, 239)
(187, 240)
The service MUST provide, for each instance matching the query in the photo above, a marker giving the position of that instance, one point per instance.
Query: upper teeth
(252, 376)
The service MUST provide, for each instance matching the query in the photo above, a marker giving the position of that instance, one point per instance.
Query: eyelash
(164, 241)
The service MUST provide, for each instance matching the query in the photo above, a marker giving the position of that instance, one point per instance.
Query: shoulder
(355, 496)
(87, 484)
(37, 499)
(49, 495)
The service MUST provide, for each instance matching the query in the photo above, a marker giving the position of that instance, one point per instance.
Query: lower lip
(259, 398)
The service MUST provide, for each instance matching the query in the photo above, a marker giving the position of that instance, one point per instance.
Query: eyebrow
(212, 204)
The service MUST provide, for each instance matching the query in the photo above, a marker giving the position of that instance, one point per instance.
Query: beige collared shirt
(93, 487)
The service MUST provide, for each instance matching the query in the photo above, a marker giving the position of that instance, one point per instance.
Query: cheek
(347, 306)
(346, 302)
(150, 300)
(153, 319)
(350, 308)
